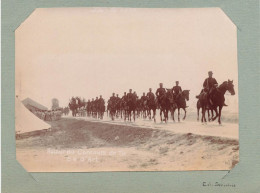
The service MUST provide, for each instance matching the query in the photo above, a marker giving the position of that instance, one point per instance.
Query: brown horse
(167, 104)
(111, 108)
(73, 106)
(131, 108)
(181, 103)
(218, 99)
(101, 109)
(152, 105)
(210, 115)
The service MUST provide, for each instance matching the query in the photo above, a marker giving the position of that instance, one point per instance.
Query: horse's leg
(178, 114)
(166, 115)
(219, 115)
(216, 111)
(154, 113)
(198, 114)
(161, 114)
(184, 113)
(173, 112)
(202, 109)
(203, 118)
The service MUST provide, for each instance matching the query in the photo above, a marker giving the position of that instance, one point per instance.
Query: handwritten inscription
(217, 184)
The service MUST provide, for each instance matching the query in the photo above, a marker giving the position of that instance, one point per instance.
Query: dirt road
(87, 146)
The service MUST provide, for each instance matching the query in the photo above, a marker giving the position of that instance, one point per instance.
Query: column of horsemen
(131, 106)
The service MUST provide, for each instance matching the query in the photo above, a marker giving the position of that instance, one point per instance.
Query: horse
(131, 107)
(217, 99)
(210, 116)
(167, 102)
(73, 106)
(138, 107)
(101, 110)
(123, 108)
(181, 103)
(145, 108)
(118, 107)
(108, 107)
(111, 109)
(152, 105)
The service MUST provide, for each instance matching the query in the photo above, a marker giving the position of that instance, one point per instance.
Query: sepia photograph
(126, 89)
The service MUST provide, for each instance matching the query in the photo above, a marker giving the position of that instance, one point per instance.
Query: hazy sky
(64, 52)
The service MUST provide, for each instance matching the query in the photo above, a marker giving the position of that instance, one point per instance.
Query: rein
(222, 88)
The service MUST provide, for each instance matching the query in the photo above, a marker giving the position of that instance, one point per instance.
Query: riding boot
(225, 104)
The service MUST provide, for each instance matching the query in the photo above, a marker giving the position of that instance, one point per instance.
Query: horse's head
(186, 94)
(227, 85)
(230, 87)
(169, 95)
(168, 92)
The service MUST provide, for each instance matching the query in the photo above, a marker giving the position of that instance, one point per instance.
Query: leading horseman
(209, 86)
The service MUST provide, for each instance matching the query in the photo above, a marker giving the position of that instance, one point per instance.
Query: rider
(143, 99)
(112, 98)
(160, 92)
(96, 103)
(209, 86)
(92, 105)
(150, 95)
(101, 100)
(124, 97)
(117, 99)
(135, 95)
(88, 104)
(130, 95)
(177, 90)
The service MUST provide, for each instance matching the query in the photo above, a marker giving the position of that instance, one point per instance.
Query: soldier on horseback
(130, 95)
(101, 101)
(150, 95)
(177, 90)
(144, 97)
(117, 99)
(135, 95)
(88, 107)
(124, 98)
(160, 92)
(209, 86)
(113, 99)
(143, 100)
(96, 101)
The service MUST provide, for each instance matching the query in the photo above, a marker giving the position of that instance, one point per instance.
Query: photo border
(245, 176)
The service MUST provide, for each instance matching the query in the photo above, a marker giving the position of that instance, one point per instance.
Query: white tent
(26, 121)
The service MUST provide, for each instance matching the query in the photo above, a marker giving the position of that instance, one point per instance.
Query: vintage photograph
(126, 89)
